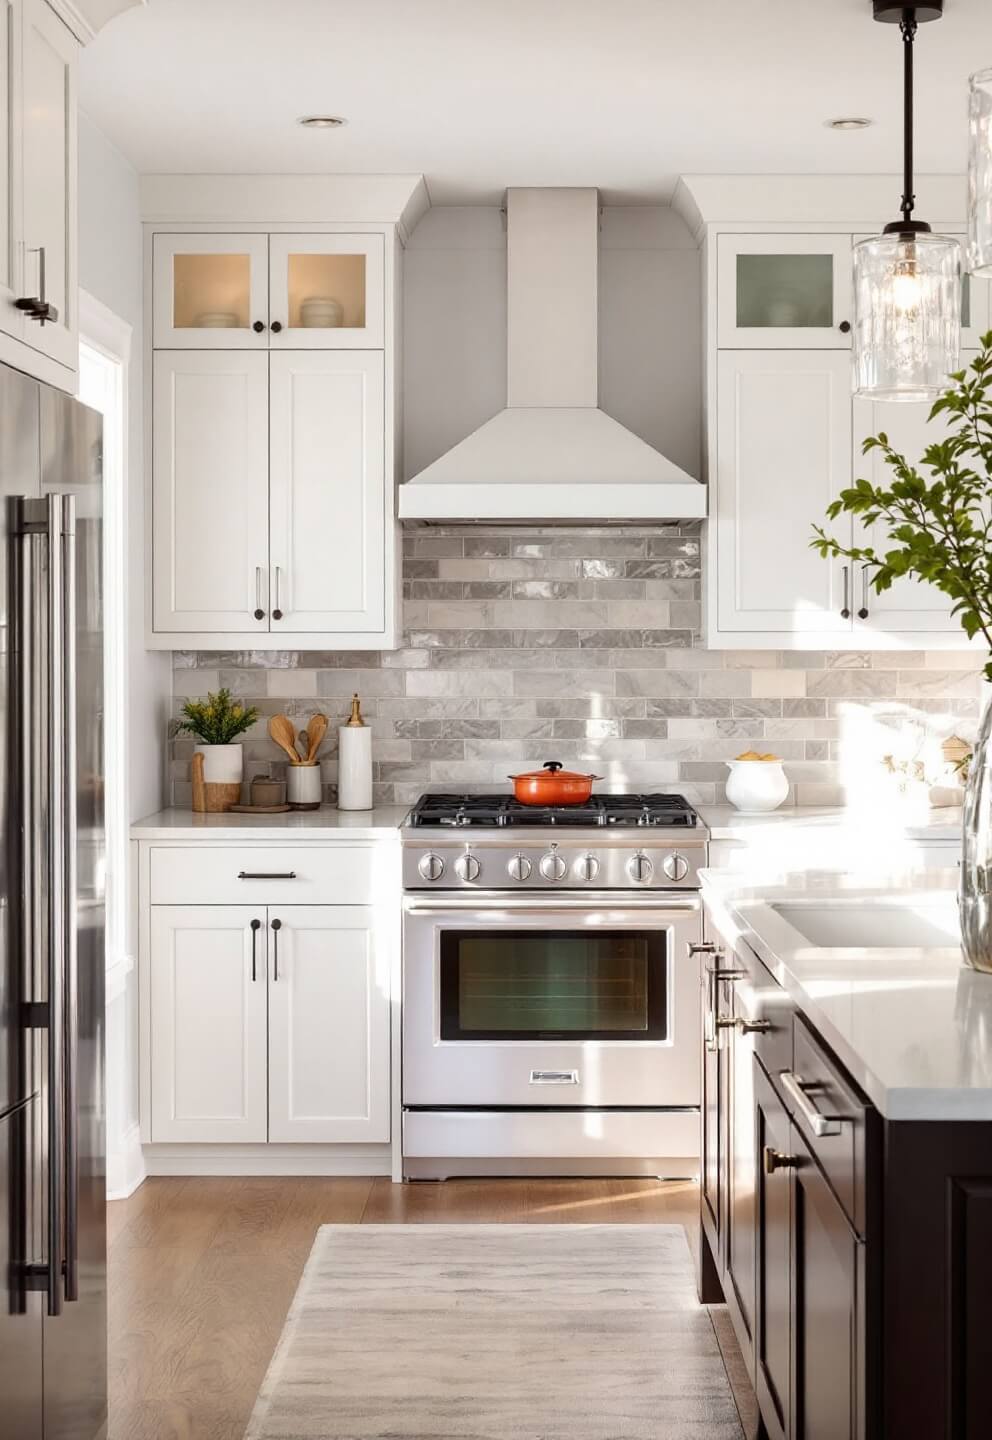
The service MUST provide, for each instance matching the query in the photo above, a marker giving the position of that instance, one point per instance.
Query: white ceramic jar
(303, 786)
(222, 764)
(756, 786)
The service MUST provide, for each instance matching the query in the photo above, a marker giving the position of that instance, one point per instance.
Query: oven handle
(557, 905)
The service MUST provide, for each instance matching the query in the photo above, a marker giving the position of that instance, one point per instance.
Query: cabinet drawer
(761, 1003)
(832, 1118)
(250, 875)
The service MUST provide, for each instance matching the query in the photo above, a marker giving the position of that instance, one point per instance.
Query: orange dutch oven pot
(551, 785)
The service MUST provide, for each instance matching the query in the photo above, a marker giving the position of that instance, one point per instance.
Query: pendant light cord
(907, 28)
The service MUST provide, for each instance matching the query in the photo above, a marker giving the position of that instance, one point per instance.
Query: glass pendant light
(907, 281)
(980, 174)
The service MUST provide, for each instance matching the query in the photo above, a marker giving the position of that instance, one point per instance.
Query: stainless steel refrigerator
(53, 1330)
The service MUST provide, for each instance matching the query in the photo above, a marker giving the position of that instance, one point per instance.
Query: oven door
(531, 1003)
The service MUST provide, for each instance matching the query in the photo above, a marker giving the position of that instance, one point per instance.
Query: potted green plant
(217, 722)
(937, 518)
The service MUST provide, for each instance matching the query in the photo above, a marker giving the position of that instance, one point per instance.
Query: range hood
(552, 454)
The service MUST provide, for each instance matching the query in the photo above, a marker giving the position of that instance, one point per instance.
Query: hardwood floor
(202, 1273)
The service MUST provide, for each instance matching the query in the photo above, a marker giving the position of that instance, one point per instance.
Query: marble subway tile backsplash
(584, 645)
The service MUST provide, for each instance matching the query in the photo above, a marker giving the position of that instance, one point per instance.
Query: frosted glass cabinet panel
(211, 292)
(784, 291)
(326, 292)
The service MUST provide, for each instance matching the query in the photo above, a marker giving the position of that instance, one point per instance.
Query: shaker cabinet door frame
(210, 521)
(327, 491)
(822, 333)
(11, 158)
(177, 297)
(329, 1026)
(361, 291)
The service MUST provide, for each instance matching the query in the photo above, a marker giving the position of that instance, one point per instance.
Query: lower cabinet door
(328, 1026)
(773, 1326)
(741, 1182)
(208, 1026)
(714, 1100)
(828, 1288)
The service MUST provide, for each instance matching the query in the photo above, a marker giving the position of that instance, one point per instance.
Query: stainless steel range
(551, 1011)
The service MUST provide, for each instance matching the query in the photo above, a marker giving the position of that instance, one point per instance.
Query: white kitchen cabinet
(783, 453)
(327, 492)
(211, 292)
(210, 566)
(908, 606)
(49, 218)
(328, 1026)
(11, 319)
(784, 292)
(327, 292)
(207, 967)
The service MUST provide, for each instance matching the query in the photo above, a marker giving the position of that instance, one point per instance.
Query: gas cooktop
(498, 811)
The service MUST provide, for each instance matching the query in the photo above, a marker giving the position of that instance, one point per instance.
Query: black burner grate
(494, 811)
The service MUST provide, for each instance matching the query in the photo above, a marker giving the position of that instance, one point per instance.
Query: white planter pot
(756, 786)
(222, 764)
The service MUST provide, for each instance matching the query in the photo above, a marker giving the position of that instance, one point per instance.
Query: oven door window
(554, 985)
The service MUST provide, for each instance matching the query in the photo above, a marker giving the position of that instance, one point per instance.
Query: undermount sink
(874, 925)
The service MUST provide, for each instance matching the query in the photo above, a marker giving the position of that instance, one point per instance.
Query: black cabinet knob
(844, 327)
(276, 326)
(862, 613)
(277, 614)
(258, 326)
(259, 614)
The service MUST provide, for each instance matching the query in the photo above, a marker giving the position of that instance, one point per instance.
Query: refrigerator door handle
(65, 618)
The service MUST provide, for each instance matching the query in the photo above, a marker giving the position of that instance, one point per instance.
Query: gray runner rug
(497, 1332)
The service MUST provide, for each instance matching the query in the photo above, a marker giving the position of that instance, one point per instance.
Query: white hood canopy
(552, 454)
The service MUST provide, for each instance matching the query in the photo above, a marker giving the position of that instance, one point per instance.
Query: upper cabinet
(260, 292)
(784, 292)
(273, 472)
(38, 220)
(785, 437)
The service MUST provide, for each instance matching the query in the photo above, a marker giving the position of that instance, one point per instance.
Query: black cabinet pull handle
(258, 326)
(276, 927)
(256, 925)
(266, 874)
(276, 326)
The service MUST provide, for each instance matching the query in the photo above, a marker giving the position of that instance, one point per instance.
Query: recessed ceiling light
(322, 122)
(848, 122)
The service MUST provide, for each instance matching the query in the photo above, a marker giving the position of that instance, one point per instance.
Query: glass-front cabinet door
(211, 292)
(784, 292)
(326, 292)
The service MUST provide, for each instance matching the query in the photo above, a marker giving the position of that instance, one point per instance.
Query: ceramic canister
(755, 787)
(355, 762)
(303, 786)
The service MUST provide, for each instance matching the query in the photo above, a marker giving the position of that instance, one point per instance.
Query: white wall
(110, 269)
(454, 329)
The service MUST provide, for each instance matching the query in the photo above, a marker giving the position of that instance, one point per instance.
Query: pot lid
(552, 770)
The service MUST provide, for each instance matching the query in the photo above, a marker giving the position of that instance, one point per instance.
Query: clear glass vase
(975, 898)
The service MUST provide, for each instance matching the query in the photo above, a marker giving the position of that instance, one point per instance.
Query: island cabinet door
(773, 1269)
(828, 1290)
(714, 1091)
(328, 1026)
(741, 1177)
(208, 1007)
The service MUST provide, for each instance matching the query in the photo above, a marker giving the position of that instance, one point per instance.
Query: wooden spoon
(282, 732)
(316, 730)
(303, 740)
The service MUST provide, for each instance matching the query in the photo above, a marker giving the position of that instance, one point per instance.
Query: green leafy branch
(938, 527)
(218, 720)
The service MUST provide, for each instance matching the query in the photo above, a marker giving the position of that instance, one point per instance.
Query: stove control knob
(676, 867)
(640, 868)
(587, 868)
(519, 867)
(553, 866)
(468, 866)
(431, 866)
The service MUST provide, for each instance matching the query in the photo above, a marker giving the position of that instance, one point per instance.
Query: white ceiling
(481, 94)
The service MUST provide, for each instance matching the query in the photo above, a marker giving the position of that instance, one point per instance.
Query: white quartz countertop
(324, 824)
(726, 823)
(912, 1026)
